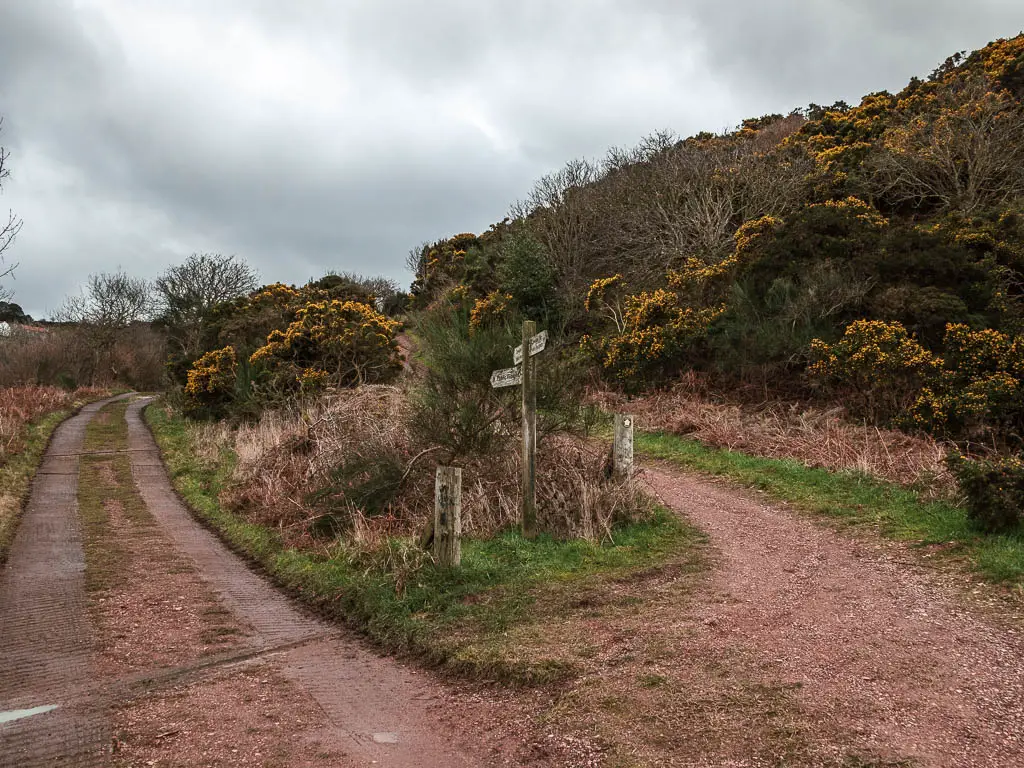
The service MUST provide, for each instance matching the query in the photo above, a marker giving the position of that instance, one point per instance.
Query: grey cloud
(788, 53)
(316, 135)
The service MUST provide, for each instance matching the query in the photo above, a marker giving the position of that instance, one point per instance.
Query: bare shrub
(575, 498)
(814, 436)
(964, 155)
(348, 463)
(287, 469)
(65, 356)
(185, 293)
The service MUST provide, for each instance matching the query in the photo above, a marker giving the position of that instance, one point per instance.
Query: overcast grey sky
(308, 135)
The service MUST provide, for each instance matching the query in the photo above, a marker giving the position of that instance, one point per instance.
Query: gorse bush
(651, 331)
(972, 390)
(454, 405)
(494, 308)
(342, 343)
(994, 489)
(288, 342)
(877, 367)
(211, 381)
(526, 276)
(980, 391)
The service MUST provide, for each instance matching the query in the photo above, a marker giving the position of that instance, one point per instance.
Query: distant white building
(9, 330)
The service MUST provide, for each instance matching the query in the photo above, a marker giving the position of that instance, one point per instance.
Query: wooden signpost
(537, 344)
(525, 375)
(507, 377)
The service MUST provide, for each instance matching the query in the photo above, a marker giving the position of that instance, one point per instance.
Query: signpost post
(448, 516)
(529, 390)
(622, 452)
(525, 375)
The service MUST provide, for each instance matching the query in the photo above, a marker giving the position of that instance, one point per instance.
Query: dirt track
(881, 652)
(370, 709)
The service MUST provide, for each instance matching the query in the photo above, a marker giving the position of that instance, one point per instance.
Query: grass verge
(17, 472)
(497, 617)
(856, 500)
(105, 480)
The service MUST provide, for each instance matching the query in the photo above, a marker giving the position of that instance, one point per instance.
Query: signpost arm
(529, 500)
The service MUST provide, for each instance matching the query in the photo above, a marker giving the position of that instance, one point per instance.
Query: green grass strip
(464, 620)
(853, 499)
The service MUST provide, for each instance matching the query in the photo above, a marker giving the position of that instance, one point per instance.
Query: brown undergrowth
(28, 416)
(348, 461)
(817, 437)
(19, 406)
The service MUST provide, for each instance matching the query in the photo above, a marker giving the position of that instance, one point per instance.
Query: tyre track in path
(383, 714)
(46, 639)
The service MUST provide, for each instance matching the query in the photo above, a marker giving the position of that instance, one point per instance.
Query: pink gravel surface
(881, 652)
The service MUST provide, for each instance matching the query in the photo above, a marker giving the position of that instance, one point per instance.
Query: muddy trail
(884, 656)
(136, 638)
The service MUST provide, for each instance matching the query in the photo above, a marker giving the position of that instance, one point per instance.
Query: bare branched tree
(9, 229)
(967, 154)
(185, 293)
(648, 209)
(378, 286)
(699, 194)
(108, 307)
(416, 260)
(562, 217)
(191, 289)
(110, 300)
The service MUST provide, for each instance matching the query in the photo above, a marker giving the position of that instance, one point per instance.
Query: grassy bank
(17, 471)
(856, 500)
(502, 615)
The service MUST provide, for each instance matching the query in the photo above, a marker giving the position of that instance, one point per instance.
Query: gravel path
(882, 652)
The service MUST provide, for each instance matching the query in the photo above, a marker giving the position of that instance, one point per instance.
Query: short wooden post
(448, 516)
(622, 448)
(529, 501)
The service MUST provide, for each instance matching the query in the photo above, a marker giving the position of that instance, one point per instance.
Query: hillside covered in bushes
(872, 253)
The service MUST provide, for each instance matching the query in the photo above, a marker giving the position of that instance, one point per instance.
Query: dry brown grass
(26, 422)
(19, 406)
(348, 460)
(814, 436)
